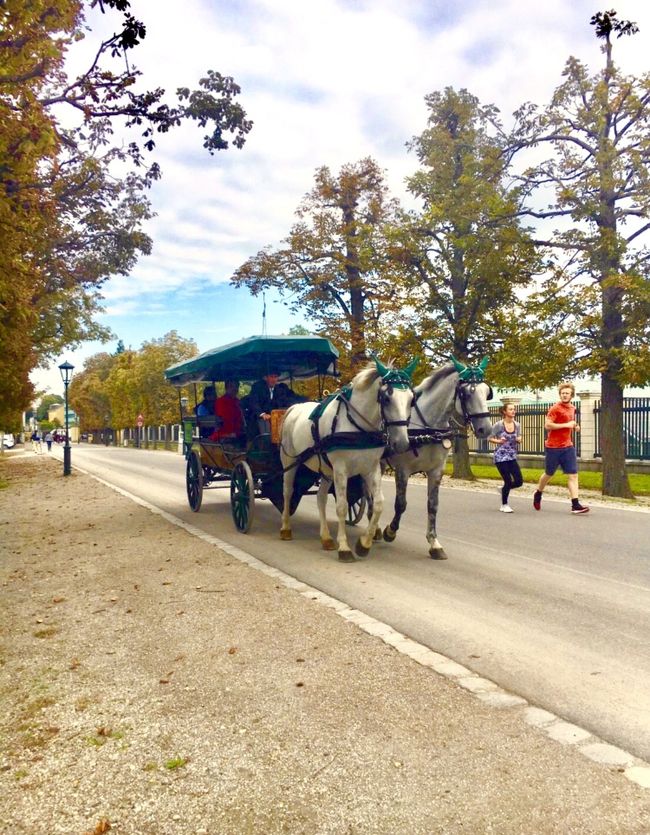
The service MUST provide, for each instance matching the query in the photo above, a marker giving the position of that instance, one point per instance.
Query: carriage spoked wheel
(356, 511)
(242, 496)
(194, 481)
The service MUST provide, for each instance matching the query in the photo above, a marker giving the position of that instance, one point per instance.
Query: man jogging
(560, 451)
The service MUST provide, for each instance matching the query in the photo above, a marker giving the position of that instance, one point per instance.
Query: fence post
(588, 423)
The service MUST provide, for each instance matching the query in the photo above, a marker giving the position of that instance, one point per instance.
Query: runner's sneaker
(537, 500)
(505, 508)
(579, 508)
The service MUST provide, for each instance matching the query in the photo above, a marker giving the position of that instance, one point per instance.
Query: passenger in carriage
(206, 409)
(229, 410)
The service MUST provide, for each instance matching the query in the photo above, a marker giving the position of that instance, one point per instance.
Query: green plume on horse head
(471, 373)
(399, 378)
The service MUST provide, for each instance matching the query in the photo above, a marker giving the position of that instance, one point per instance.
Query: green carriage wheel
(242, 496)
(194, 481)
(356, 511)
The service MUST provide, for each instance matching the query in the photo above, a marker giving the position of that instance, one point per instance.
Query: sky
(326, 82)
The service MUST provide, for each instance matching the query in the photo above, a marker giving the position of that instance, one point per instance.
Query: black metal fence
(531, 417)
(636, 428)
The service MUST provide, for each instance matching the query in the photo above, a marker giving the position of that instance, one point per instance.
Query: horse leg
(434, 477)
(369, 509)
(401, 482)
(326, 541)
(373, 487)
(341, 488)
(287, 493)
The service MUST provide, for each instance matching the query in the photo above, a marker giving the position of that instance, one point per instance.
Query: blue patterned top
(507, 451)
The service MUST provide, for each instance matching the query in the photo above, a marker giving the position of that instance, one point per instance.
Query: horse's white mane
(367, 376)
(437, 374)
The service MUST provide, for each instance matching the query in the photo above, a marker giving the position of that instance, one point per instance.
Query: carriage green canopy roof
(252, 358)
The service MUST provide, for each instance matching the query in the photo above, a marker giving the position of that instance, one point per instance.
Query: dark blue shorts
(564, 457)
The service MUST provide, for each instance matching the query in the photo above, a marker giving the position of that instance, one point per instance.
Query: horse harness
(362, 438)
(465, 387)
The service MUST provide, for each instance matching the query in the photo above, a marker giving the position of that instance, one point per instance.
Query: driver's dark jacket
(260, 401)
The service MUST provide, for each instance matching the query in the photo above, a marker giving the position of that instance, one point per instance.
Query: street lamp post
(66, 370)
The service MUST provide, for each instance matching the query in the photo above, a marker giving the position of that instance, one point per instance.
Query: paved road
(551, 606)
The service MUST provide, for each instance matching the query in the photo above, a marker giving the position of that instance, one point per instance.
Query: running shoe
(579, 508)
(505, 508)
(537, 500)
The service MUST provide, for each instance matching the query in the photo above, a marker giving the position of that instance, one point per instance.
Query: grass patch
(103, 735)
(34, 708)
(176, 762)
(639, 482)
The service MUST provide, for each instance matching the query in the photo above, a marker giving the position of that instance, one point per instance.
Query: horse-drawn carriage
(334, 446)
(250, 465)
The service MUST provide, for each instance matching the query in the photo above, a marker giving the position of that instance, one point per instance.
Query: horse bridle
(384, 394)
(462, 395)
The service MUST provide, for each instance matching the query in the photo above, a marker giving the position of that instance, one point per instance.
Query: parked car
(8, 440)
(58, 437)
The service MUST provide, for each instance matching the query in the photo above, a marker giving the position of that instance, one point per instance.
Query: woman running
(506, 434)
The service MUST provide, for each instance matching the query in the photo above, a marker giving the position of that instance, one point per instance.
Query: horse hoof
(286, 535)
(328, 545)
(389, 534)
(437, 554)
(346, 556)
(361, 550)
(378, 535)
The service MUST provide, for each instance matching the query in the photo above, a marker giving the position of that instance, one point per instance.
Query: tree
(46, 404)
(332, 266)
(116, 388)
(465, 253)
(597, 297)
(87, 392)
(73, 199)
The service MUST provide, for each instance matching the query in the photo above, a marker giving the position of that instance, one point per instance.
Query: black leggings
(512, 478)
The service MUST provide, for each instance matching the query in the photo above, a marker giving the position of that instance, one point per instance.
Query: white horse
(453, 391)
(346, 436)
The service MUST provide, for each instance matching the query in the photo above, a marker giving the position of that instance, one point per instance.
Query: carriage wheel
(356, 511)
(242, 496)
(194, 481)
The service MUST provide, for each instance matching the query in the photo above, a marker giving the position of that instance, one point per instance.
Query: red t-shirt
(560, 413)
(229, 410)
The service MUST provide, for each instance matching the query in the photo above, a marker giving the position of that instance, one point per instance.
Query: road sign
(140, 421)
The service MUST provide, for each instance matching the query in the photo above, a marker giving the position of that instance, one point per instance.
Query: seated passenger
(206, 409)
(228, 409)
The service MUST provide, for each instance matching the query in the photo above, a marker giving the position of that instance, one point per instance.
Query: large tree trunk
(612, 442)
(460, 460)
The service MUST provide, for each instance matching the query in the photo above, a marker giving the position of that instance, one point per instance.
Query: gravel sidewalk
(151, 684)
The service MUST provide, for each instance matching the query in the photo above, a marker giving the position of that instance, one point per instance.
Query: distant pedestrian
(560, 452)
(36, 442)
(506, 434)
(48, 441)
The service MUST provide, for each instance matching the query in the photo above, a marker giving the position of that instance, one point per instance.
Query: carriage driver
(267, 394)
